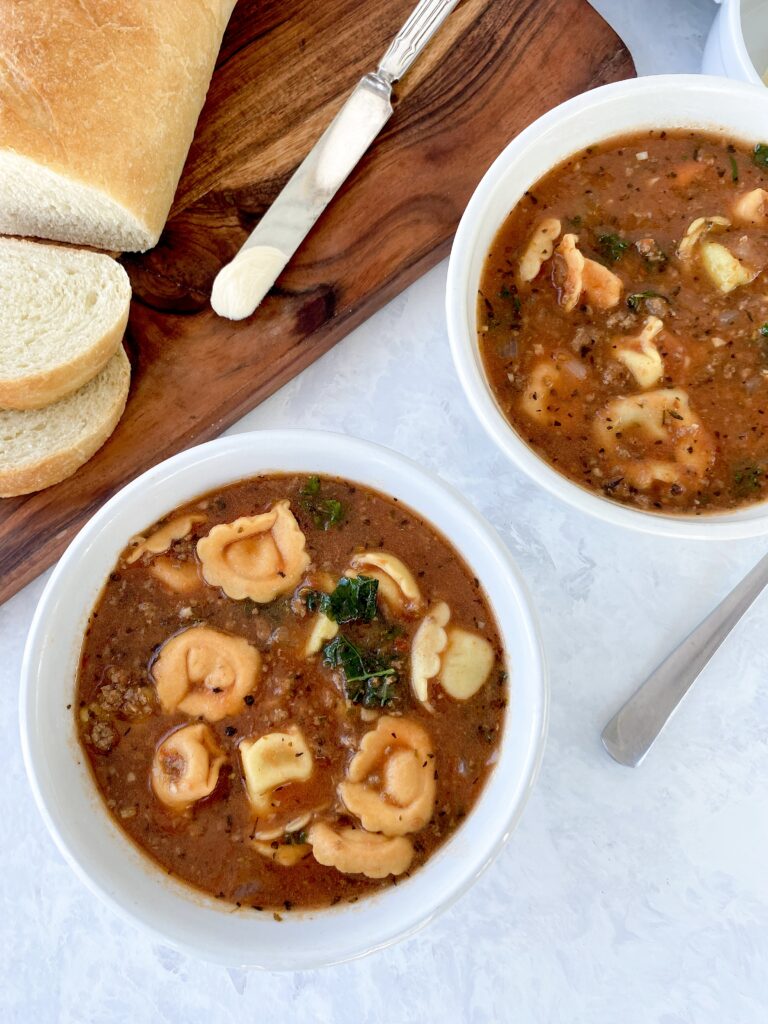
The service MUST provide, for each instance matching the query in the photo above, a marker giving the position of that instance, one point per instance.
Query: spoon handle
(632, 731)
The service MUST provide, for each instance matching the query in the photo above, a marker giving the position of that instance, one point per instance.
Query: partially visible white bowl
(737, 44)
(717, 105)
(65, 792)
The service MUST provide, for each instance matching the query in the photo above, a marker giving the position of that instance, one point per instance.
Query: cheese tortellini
(751, 208)
(641, 356)
(550, 382)
(321, 632)
(186, 766)
(429, 642)
(601, 286)
(696, 230)
(572, 283)
(390, 783)
(539, 248)
(257, 557)
(724, 270)
(583, 276)
(180, 577)
(272, 761)
(162, 538)
(202, 671)
(466, 663)
(357, 852)
(398, 589)
(459, 660)
(654, 419)
(322, 629)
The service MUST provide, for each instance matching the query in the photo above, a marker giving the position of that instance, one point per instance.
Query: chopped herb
(746, 480)
(353, 600)
(317, 601)
(762, 341)
(611, 485)
(672, 413)
(295, 838)
(510, 314)
(367, 679)
(612, 247)
(325, 512)
(760, 155)
(734, 167)
(637, 299)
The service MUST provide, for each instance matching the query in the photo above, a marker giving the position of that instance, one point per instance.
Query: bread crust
(51, 469)
(103, 94)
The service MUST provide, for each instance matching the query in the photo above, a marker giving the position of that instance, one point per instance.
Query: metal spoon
(631, 733)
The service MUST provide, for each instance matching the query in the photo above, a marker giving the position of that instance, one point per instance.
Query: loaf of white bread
(98, 104)
(64, 376)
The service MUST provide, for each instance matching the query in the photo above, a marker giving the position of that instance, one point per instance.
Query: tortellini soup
(291, 692)
(623, 320)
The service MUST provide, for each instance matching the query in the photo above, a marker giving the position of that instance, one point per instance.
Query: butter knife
(241, 284)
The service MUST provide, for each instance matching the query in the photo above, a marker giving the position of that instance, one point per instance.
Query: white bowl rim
(752, 520)
(535, 729)
(732, 12)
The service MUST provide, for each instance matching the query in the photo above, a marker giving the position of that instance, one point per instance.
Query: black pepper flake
(230, 730)
(249, 699)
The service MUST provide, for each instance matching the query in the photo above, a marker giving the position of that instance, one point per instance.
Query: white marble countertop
(624, 896)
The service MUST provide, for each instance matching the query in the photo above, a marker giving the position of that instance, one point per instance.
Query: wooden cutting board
(284, 70)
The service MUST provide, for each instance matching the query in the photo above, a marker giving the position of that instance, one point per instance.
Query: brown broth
(121, 723)
(630, 215)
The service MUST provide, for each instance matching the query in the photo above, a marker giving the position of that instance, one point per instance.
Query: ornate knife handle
(425, 20)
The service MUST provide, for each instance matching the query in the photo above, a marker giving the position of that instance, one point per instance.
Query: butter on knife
(241, 284)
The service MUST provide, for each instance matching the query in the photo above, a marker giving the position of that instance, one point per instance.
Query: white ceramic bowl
(737, 44)
(717, 105)
(65, 793)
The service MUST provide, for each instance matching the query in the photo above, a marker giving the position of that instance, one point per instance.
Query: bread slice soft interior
(40, 447)
(62, 317)
(39, 202)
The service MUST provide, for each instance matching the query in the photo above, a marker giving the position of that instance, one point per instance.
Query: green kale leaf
(325, 512)
(353, 600)
(368, 680)
(612, 247)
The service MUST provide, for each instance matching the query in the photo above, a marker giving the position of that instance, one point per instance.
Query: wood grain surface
(284, 70)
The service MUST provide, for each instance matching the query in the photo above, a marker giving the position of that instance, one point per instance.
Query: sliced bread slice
(62, 316)
(40, 447)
